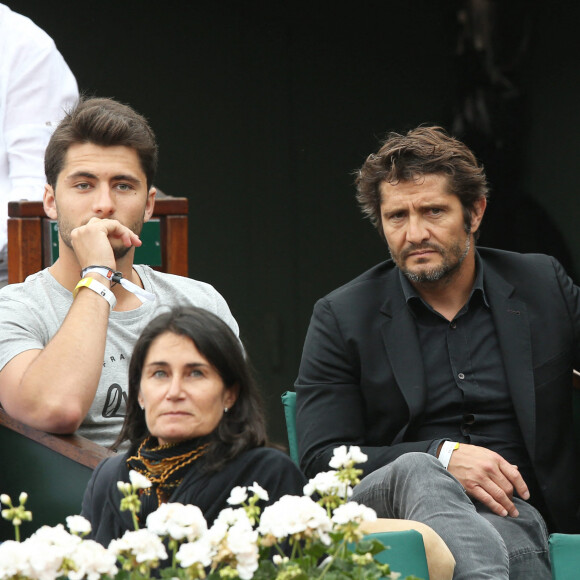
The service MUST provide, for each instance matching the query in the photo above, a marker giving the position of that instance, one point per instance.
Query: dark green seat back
(148, 253)
(289, 402)
(404, 553)
(565, 556)
(55, 484)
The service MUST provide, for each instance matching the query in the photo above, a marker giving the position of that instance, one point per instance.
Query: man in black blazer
(450, 366)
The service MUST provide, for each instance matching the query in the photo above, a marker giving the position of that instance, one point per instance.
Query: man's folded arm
(53, 388)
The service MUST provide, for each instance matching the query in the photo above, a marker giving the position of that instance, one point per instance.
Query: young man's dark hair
(106, 123)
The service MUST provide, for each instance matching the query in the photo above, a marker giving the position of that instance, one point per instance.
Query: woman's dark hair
(422, 151)
(243, 426)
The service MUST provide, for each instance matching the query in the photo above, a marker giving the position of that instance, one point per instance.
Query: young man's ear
(49, 202)
(150, 205)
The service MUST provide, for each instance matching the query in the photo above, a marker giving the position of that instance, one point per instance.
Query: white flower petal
(138, 480)
(327, 483)
(294, 515)
(353, 512)
(78, 525)
(238, 495)
(259, 491)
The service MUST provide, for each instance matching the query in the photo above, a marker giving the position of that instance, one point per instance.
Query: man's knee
(414, 461)
(406, 465)
(403, 480)
(408, 469)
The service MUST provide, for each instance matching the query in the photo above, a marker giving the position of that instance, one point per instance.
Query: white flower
(177, 521)
(278, 559)
(56, 536)
(138, 480)
(193, 552)
(341, 457)
(78, 525)
(259, 491)
(294, 515)
(353, 512)
(47, 549)
(238, 495)
(45, 560)
(327, 483)
(14, 560)
(146, 546)
(5, 499)
(231, 516)
(124, 487)
(357, 455)
(91, 561)
(242, 542)
(216, 534)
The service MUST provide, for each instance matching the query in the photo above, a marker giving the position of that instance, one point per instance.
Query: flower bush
(296, 538)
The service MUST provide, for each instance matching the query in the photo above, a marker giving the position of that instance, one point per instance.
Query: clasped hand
(92, 241)
(489, 478)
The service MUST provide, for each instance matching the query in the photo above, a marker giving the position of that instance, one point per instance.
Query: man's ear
(150, 205)
(49, 202)
(477, 213)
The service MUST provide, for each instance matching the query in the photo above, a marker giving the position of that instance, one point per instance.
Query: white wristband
(97, 287)
(117, 277)
(447, 450)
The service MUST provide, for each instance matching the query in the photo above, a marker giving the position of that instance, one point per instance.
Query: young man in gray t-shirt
(67, 332)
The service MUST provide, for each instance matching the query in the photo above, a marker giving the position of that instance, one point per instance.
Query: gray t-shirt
(33, 311)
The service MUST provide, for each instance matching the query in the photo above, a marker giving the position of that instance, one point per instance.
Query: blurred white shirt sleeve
(36, 87)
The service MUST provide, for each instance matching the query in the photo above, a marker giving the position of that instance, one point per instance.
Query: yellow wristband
(97, 287)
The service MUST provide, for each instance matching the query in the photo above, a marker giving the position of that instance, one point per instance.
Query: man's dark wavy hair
(103, 122)
(243, 426)
(410, 157)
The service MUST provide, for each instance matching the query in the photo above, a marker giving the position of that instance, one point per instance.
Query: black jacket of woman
(270, 468)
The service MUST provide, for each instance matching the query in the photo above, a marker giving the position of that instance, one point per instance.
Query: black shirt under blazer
(361, 380)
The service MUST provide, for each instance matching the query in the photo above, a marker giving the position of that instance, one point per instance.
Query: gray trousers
(417, 487)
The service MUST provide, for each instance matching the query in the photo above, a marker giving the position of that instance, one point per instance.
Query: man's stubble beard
(436, 273)
(119, 252)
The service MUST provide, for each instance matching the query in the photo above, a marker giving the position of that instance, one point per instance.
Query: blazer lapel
(403, 349)
(510, 316)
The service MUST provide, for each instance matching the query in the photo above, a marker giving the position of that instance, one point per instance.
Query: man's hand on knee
(489, 478)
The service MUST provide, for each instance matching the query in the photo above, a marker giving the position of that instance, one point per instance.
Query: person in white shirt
(36, 86)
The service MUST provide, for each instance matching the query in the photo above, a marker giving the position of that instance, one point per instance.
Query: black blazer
(361, 379)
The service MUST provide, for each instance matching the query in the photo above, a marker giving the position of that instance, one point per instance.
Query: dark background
(263, 110)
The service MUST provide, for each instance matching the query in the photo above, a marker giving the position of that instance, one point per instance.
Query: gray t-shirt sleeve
(30, 314)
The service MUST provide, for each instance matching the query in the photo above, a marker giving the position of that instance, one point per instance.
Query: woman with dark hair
(194, 424)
